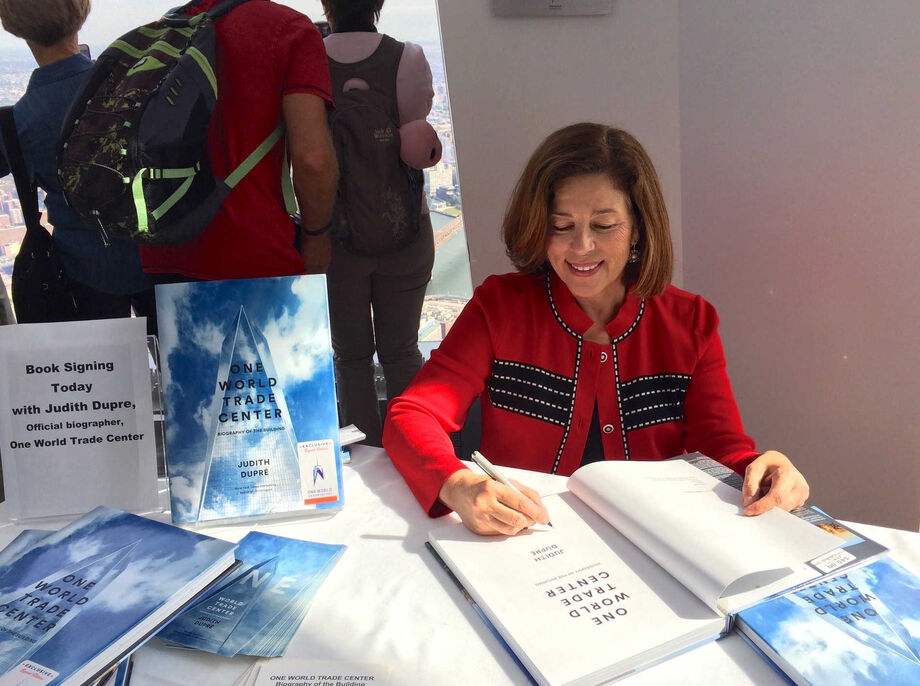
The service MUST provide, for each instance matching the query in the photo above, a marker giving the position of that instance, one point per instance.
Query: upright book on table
(249, 392)
(644, 560)
(861, 627)
(82, 597)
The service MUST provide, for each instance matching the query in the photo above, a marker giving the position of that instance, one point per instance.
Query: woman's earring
(633, 254)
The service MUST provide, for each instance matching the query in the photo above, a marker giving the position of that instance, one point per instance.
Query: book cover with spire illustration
(257, 609)
(82, 597)
(862, 627)
(249, 394)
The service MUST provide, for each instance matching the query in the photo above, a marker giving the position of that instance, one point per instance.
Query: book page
(578, 599)
(693, 525)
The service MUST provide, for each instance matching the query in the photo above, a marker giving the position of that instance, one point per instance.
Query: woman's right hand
(490, 508)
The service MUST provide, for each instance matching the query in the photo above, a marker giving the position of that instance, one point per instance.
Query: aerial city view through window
(413, 20)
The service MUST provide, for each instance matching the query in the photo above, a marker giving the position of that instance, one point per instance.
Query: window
(414, 20)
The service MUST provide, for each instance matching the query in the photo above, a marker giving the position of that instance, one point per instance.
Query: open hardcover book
(644, 560)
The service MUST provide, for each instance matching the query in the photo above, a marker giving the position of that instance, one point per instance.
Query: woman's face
(590, 233)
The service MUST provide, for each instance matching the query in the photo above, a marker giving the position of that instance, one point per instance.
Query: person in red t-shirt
(271, 65)
(587, 353)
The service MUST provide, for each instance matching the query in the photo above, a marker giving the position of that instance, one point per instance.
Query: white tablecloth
(388, 602)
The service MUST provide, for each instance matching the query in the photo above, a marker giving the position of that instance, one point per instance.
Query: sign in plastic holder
(76, 418)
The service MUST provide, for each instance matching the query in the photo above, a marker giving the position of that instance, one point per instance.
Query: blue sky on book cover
(858, 628)
(249, 392)
(277, 576)
(81, 588)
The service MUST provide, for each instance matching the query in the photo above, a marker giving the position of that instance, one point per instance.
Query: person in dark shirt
(105, 274)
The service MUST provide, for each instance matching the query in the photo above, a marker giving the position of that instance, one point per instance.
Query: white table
(388, 602)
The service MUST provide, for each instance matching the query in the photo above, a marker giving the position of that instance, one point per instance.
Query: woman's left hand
(772, 481)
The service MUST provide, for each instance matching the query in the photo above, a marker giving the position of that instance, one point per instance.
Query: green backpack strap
(188, 173)
(287, 186)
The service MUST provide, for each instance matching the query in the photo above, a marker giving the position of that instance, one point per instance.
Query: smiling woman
(591, 238)
(588, 353)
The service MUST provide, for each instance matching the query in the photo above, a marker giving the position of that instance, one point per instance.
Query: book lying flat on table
(862, 627)
(84, 596)
(644, 560)
(257, 609)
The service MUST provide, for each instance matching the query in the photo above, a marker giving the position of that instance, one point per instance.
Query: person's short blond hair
(44, 22)
(588, 148)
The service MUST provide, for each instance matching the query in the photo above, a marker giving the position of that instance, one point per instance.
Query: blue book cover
(25, 541)
(249, 392)
(862, 627)
(86, 595)
(257, 610)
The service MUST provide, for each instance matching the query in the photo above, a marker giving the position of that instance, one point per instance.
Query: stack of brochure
(260, 607)
(75, 601)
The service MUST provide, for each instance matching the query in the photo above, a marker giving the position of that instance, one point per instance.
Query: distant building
(440, 176)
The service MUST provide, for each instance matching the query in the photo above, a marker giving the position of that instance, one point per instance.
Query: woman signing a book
(586, 353)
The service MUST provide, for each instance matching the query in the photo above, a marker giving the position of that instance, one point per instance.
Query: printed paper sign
(76, 417)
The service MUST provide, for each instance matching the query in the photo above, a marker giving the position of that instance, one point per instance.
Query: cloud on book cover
(860, 628)
(134, 564)
(843, 661)
(196, 320)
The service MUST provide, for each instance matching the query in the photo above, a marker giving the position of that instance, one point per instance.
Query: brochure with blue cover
(249, 392)
(84, 596)
(259, 608)
(862, 627)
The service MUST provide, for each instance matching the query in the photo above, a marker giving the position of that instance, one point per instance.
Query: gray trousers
(393, 287)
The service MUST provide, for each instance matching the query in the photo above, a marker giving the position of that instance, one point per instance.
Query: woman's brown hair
(588, 148)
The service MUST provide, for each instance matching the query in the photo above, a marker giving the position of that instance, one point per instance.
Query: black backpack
(133, 158)
(379, 197)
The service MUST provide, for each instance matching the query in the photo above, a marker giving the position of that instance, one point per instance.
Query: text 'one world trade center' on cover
(251, 420)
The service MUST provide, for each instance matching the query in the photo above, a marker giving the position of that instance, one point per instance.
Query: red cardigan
(661, 387)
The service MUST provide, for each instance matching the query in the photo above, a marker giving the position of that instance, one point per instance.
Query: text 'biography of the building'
(249, 391)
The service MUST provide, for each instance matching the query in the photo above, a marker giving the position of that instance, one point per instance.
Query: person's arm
(315, 172)
(418, 424)
(488, 507)
(713, 427)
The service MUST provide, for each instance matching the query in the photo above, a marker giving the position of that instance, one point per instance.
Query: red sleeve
(713, 424)
(300, 49)
(415, 433)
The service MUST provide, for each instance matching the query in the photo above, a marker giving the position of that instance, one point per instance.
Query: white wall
(800, 149)
(513, 81)
(791, 166)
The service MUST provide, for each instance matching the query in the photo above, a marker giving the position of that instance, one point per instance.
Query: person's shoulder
(685, 306)
(502, 288)
(269, 15)
(413, 58)
(413, 51)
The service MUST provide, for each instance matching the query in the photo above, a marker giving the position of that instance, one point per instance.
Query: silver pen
(492, 471)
